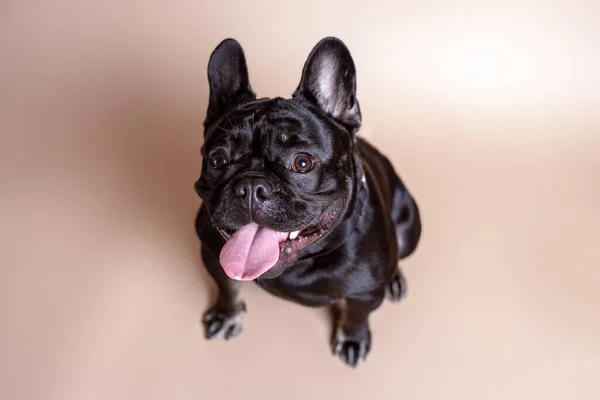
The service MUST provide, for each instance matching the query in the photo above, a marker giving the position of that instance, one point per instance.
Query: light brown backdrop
(489, 110)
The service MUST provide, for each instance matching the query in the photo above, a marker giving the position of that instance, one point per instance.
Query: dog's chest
(315, 289)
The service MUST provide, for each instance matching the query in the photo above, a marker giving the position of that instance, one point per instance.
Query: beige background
(489, 111)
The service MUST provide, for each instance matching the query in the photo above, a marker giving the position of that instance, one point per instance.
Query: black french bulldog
(295, 201)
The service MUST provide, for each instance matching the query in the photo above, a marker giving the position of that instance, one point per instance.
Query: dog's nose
(254, 189)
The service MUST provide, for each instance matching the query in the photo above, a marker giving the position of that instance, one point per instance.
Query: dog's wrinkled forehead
(280, 126)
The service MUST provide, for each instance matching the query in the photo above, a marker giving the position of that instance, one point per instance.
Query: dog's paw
(352, 351)
(396, 289)
(220, 324)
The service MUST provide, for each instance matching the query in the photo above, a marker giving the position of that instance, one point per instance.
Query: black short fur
(355, 264)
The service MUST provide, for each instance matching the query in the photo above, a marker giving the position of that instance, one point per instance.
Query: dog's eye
(218, 160)
(303, 163)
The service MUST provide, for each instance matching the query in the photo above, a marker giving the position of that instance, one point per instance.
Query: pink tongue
(250, 252)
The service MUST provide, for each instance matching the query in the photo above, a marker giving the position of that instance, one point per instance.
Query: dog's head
(277, 174)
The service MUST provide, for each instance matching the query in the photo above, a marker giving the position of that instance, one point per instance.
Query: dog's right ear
(228, 80)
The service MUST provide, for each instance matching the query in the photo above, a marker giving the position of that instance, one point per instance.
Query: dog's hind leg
(407, 219)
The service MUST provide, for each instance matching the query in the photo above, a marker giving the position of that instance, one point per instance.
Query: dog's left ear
(228, 80)
(329, 80)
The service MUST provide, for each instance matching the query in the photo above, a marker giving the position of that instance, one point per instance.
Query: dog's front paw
(396, 289)
(353, 349)
(222, 324)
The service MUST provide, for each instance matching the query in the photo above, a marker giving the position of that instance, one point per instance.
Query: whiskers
(203, 219)
(226, 130)
(234, 129)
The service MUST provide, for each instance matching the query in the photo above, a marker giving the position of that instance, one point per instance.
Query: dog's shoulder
(380, 176)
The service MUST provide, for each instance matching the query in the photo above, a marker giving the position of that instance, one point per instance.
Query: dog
(295, 201)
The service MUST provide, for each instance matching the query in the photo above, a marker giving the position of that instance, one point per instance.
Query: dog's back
(394, 197)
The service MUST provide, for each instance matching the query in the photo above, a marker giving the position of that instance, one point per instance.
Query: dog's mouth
(312, 232)
(252, 250)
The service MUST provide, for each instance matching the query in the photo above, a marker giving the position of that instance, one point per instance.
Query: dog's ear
(228, 80)
(329, 80)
